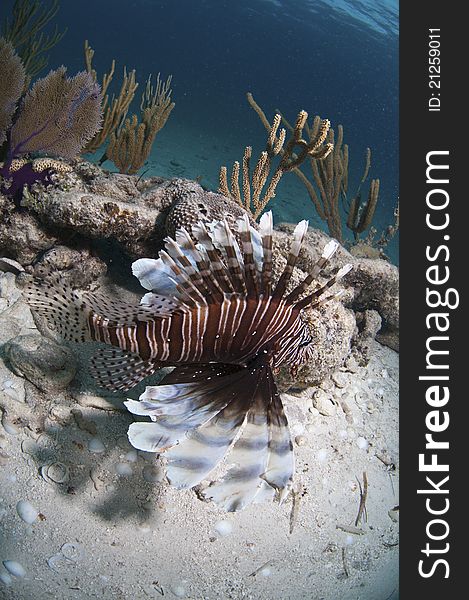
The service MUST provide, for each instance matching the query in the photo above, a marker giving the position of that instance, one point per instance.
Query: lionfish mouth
(213, 312)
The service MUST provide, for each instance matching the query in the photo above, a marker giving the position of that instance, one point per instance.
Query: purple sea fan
(57, 116)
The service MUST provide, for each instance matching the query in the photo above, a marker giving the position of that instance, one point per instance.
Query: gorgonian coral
(12, 78)
(56, 117)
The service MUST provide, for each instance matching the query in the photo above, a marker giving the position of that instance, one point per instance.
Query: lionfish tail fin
(198, 412)
(62, 307)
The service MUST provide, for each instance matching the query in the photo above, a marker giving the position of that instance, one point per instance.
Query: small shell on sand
(324, 403)
(178, 591)
(96, 446)
(30, 447)
(9, 427)
(131, 455)
(223, 528)
(72, 551)
(362, 443)
(322, 455)
(55, 472)
(123, 469)
(5, 579)
(12, 393)
(14, 568)
(26, 511)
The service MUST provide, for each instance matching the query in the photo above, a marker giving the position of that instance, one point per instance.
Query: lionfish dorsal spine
(250, 266)
(200, 232)
(185, 272)
(226, 242)
(298, 237)
(200, 259)
(187, 261)
(266, 232)
(316, 298)
(329, 250)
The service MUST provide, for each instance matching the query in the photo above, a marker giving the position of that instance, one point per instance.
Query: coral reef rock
(46, 364)
(22, 236)
(96, 205)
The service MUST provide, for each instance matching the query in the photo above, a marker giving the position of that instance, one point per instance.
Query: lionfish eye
(303, 344)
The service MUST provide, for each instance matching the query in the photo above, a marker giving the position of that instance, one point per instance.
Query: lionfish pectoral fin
(184, 401)
(198, 412)
(262, 455)
(281, 461)
(119, 370)
(154, 275)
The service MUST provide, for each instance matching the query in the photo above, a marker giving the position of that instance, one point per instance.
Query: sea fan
(12, 79)
(57, 116)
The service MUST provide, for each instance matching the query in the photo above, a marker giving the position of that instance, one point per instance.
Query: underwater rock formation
(137, 214)
(46, 364)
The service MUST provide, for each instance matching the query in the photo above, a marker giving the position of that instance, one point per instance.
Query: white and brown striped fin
(224, 240)
(262, 455)
(329, 250)
(199, 258)
(154, 275)
(186, 399)
(119, 370)
(298, 237)
(250, 264)
(315, 299)
(197, 414)
(199, 452)
(187, 291)
(123, 313)
(281, 461)
(208, 250)
(189, 267)
(249, 456)
(266, 232)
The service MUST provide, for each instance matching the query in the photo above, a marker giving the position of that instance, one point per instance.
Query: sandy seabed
(114, 528)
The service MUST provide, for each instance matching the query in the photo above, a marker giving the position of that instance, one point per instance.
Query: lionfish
(216, 315)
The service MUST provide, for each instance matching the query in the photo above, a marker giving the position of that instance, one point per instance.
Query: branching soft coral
(56, 117)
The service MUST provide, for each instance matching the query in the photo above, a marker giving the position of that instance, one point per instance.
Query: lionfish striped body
(215, 314)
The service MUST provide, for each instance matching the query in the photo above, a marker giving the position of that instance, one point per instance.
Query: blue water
(338, 59)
